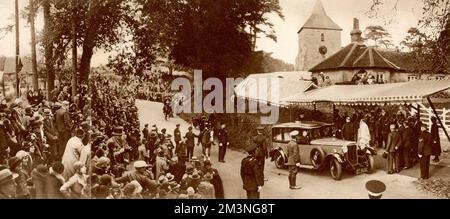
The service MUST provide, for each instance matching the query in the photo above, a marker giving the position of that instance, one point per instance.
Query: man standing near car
(251, 176)
(293, 156)
(261, 149)
(393, 144)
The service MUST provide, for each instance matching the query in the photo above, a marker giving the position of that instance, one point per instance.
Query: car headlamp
(344, 149)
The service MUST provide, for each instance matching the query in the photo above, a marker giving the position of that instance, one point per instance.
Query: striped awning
(395, 93)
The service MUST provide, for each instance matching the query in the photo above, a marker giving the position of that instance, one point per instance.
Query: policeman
(177, 136)
(261, 149)
(375, 189)
(252, 179)
(293, 156)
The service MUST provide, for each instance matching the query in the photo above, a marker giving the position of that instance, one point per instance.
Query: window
(277, 135)
(412, 77)
(322, 37)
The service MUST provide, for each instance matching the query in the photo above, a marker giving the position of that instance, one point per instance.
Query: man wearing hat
(261, 148)
(293, 156)
(375, 189)
(190, 142)
(177, 136)
(222, 136)
(425, 151)
(7, 184)
(251, 176)
(140, 174)
(51, 134)
(145, 131)
(63, 125)
(121, 143)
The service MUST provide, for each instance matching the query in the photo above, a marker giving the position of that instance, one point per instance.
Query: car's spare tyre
(279, 160)
(317, 156)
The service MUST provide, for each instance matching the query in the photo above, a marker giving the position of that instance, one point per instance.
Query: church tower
(318, 39)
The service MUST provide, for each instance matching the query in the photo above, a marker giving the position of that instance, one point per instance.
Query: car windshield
(325, 131)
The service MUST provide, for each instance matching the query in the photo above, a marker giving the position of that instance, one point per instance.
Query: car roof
(302, 125)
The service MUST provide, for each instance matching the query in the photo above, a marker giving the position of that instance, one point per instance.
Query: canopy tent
(288, 83)
(396, 93)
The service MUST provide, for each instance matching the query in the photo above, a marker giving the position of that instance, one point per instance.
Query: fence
(426, 113)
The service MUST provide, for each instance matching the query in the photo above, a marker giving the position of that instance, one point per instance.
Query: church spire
(319, 19)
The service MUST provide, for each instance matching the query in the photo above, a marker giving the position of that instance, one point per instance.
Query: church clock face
(323, 50)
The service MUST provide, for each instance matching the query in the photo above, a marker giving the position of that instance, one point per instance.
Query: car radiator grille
(352, 154)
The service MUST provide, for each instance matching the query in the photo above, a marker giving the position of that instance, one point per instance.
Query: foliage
(378, 35)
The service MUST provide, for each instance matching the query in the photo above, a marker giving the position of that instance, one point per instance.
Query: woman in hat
(72, 153)
(75, 187)
(7, 184)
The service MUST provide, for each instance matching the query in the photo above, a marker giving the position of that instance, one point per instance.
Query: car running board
(309, 167)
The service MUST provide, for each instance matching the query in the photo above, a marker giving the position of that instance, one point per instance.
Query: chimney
(356, 32)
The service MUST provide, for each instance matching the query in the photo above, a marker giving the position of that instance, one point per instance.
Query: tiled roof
(319, 19)
(358, 55)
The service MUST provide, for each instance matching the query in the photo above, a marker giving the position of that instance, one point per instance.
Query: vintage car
(319, 150)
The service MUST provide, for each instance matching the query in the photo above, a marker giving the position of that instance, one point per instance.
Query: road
(314, 185)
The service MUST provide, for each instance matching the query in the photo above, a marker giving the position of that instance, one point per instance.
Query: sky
(296, 12)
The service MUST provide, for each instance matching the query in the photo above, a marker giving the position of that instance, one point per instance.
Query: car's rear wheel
(335, 169)
(279, 160)
(317, 157)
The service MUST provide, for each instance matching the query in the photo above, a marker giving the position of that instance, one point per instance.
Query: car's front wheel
(335, 169)
(279, 160)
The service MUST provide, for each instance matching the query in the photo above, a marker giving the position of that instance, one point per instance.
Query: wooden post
(33, 46)
(438, 118)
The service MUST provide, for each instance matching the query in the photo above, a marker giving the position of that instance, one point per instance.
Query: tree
(415, 40)
(32, 9)
(378, 35)
(435, 21)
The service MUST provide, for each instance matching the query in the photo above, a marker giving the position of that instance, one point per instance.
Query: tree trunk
(17, 48)
(74, 50)
(48, 49)
(88, 44)
(33, 46)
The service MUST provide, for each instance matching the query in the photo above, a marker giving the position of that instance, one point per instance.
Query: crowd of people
(91, 146)
(402, 135)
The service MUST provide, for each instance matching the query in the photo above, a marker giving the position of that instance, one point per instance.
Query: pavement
(314, 185)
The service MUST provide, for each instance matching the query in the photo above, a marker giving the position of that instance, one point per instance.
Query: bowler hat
(118, 131)
(58, 167)
(294, 133)
(79, 133)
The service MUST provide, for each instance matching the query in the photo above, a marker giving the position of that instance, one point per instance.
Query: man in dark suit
(51, 134)
(145, 131)
(407, 136)
(177, 136)
(222, 136)
(393, 144)
(190, 142)
(425, 151)
(63, 125)
(293, 156)
(261, 151)
(251, 176)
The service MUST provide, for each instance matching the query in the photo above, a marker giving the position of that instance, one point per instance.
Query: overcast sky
(295, 11)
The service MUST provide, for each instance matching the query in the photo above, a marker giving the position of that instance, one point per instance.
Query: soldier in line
(425, 151)
(261, 149)
(223, 143)
(252, 179)
(293, 156)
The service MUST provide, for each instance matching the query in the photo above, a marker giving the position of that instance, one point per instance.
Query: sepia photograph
(224, 99)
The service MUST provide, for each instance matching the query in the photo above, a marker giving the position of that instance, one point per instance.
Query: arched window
(322, 37)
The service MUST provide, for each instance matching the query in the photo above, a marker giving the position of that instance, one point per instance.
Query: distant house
(8, 71)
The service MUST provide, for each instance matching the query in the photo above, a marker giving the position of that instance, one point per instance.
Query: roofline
(349, 68)
(319, 28)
